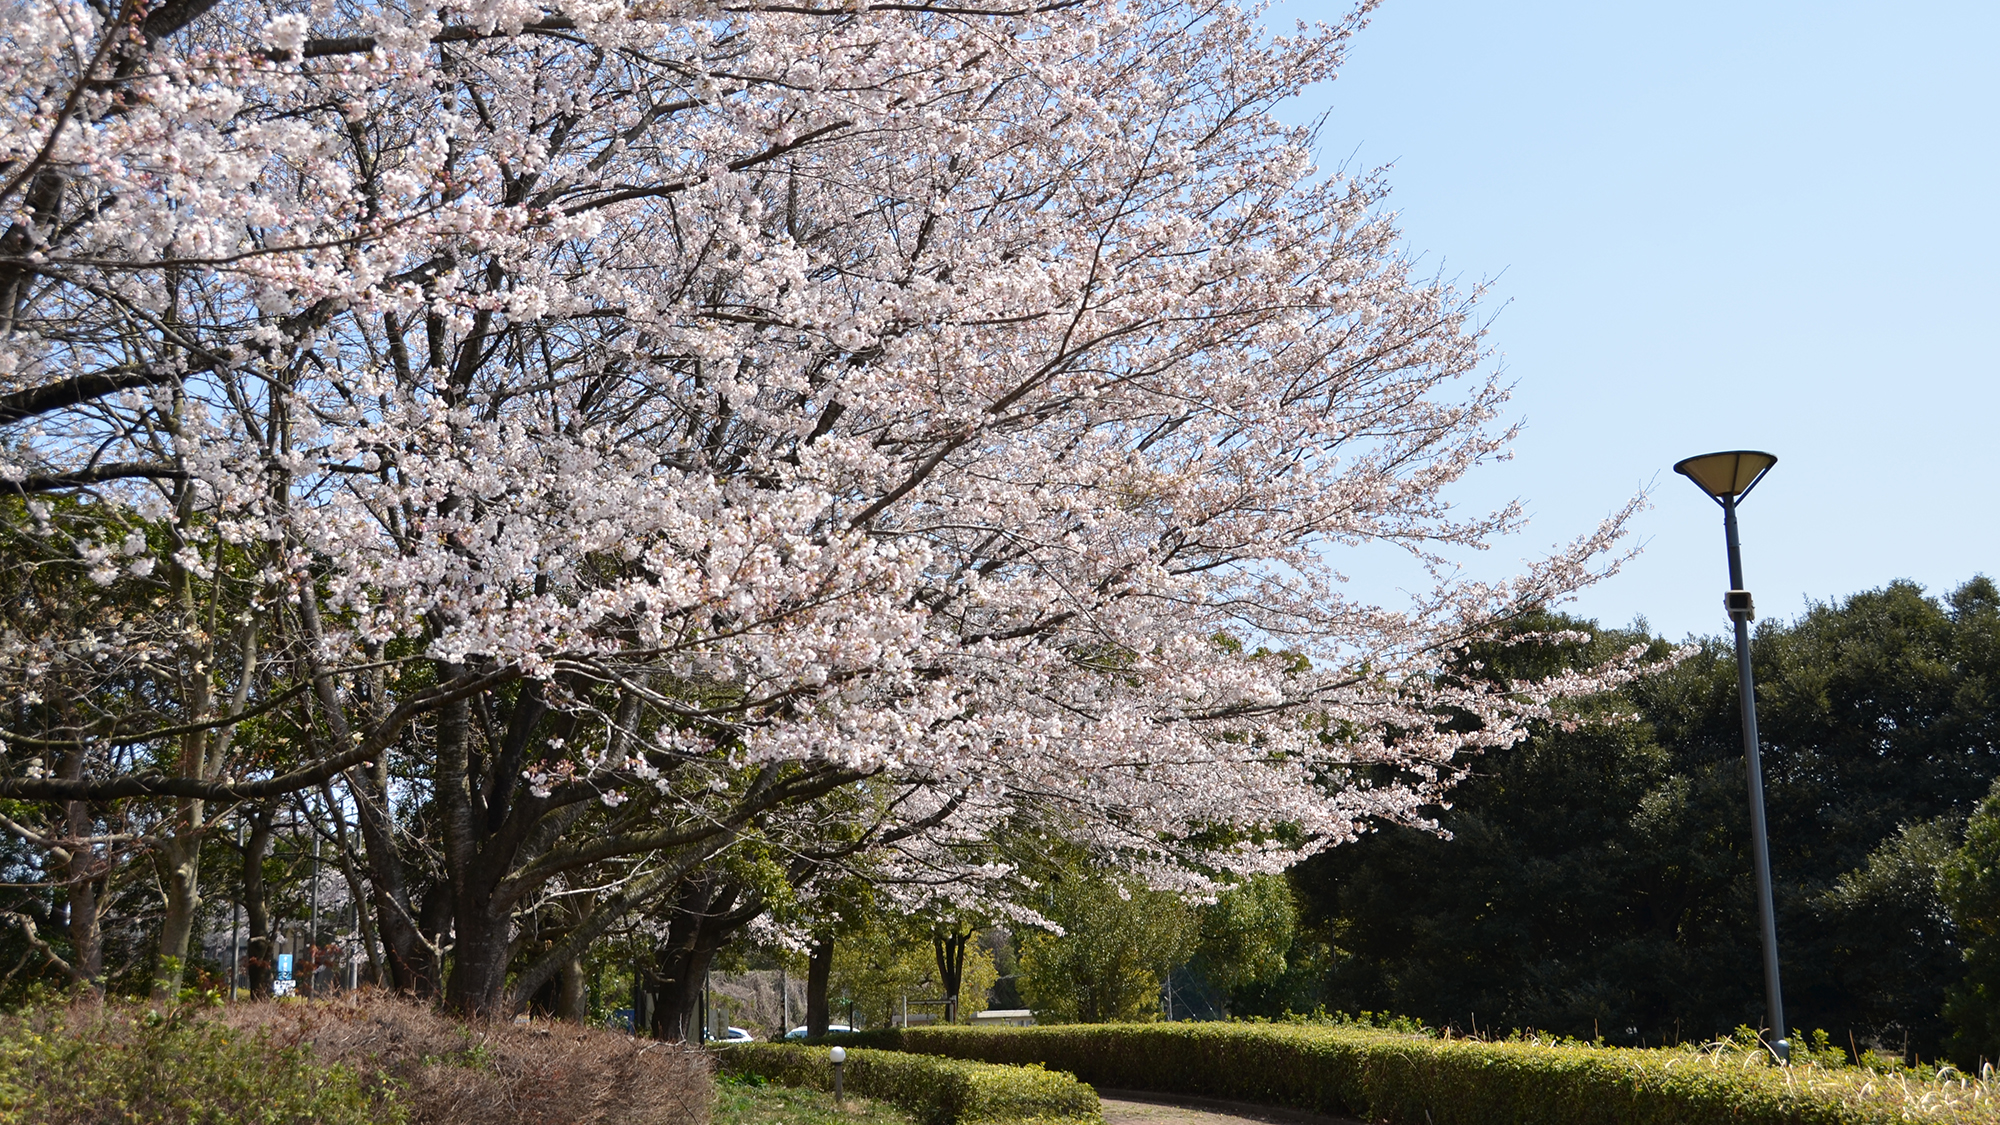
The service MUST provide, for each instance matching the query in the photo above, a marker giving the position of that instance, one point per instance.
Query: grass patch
(747, 1101)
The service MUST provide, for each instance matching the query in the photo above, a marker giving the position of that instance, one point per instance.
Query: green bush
(935, 1091)
(107, 1067)
(1380, 1075)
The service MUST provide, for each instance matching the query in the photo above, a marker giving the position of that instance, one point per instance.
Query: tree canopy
(568, 444)
(1597, 880)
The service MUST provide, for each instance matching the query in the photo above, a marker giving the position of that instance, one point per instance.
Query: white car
(832, 1028)
(735, 1035)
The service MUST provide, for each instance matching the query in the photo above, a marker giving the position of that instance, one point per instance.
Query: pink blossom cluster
(971, 393)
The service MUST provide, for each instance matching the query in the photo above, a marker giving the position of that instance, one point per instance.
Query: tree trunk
(482, 943)
(178, 863)
(573, 994)
(703, 917)
(677, 988)
(819, 970)
(177, 860)
(86, 937)
(259, 950)
(364, 920)
(481, 948)
(950, 951)
(572, 1000)
(409, 963)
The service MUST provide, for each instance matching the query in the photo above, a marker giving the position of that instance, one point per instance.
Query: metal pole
(1760, 849)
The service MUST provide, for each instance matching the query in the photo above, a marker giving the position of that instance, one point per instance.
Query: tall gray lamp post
(1727, 478)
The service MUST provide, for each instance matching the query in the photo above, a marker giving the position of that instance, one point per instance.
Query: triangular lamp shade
(1726, 474)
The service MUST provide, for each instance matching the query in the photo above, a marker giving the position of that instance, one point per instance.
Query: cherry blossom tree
(645, 417)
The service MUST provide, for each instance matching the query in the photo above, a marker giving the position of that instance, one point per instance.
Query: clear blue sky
(1713, 226)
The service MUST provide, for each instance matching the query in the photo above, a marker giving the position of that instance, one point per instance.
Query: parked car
(735, 1035)
(831, 1029)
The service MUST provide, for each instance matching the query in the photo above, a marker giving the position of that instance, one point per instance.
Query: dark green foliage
(112, 1067)
(935, 1091)
(1971, 886)
(1597, 881)
(1378, 1075)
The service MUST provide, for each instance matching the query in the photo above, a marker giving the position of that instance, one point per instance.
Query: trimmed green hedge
(1384, 1076)
(936, 1091)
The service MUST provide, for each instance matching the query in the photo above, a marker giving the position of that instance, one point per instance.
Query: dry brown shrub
(447, 1072)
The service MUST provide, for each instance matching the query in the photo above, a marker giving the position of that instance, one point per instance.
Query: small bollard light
(838, 1055)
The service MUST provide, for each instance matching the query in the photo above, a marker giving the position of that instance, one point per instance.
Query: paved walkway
(1133, 1107)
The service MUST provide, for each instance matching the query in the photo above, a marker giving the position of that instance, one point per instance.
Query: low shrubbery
(82, 1066)
(381, 1062)
(1382, 1075)
(935, 1091)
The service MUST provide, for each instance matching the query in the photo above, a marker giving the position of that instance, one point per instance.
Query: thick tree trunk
(704, 917)
(482, 943)
(572, 999)
(260, 950)
(819, 972)
(86, 937)
(481, 948)
(178, 862)
(573, 994)
(679, 975)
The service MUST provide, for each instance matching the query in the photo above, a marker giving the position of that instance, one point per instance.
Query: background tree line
(1590, 881)
(1594, 880)
(1596, 877)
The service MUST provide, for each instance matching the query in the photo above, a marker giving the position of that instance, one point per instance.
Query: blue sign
(284, 966)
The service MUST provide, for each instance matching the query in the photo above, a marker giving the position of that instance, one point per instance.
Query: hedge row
(936, 1091)
(1384, 1076)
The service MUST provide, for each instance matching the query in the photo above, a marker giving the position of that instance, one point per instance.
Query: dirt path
(1132, 1107)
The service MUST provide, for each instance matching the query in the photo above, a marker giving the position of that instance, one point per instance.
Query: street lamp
(1727, 478)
